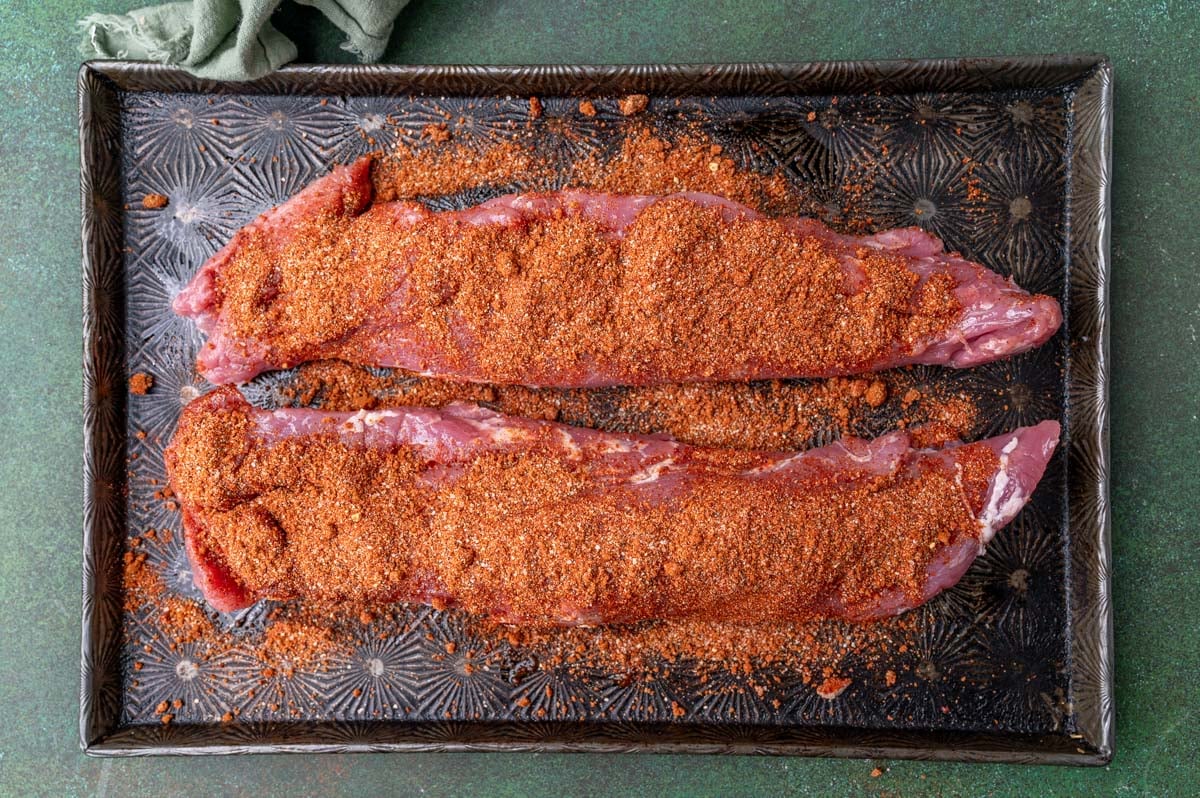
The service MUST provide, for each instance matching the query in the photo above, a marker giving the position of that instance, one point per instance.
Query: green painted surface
(1155, 429)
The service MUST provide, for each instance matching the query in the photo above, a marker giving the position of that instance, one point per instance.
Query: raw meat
(685, 288)
(541, 523)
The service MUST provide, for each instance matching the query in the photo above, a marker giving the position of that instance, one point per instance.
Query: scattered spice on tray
(633, 104)
(650, 163)
(186, 619)
(297, 641)
(142, 584)
(302, 638)
(976, 196)
(646, 163)
(774, 415)
(406, 173)
(807, 648)
(140, 383)
(875, 393)
(842, 207)
(832, 687)
(438, 134)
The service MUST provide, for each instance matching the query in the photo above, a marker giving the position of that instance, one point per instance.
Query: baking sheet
(1014, 664)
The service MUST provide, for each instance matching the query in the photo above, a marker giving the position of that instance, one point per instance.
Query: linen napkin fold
(230, 39)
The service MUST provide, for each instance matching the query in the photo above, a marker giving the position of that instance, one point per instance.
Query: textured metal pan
(1015, 662)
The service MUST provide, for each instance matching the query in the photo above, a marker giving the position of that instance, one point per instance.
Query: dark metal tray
(1012, 669)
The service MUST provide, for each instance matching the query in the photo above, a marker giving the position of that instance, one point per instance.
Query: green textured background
(1155, 387)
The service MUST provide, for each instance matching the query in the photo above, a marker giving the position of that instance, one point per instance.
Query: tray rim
(1087, 79)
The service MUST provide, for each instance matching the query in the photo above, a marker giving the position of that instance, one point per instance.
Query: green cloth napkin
(230, 39)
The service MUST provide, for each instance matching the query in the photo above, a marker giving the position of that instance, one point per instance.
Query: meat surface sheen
(580, 289)
(540, 523)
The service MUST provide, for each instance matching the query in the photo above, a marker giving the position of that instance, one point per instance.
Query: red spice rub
(142, 583)
(633, 104)
(648, 163)
(405, 173)
(439, 133)
(776, 415)
(523, 532)
(682, 295)
(141, 383)
(832, 687)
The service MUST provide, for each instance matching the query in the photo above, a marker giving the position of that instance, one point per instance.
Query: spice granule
(140, 383)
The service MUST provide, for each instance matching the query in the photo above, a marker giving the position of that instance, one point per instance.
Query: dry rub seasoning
(777, 415)
(140, 383)
(535, 537)
(682, 295)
